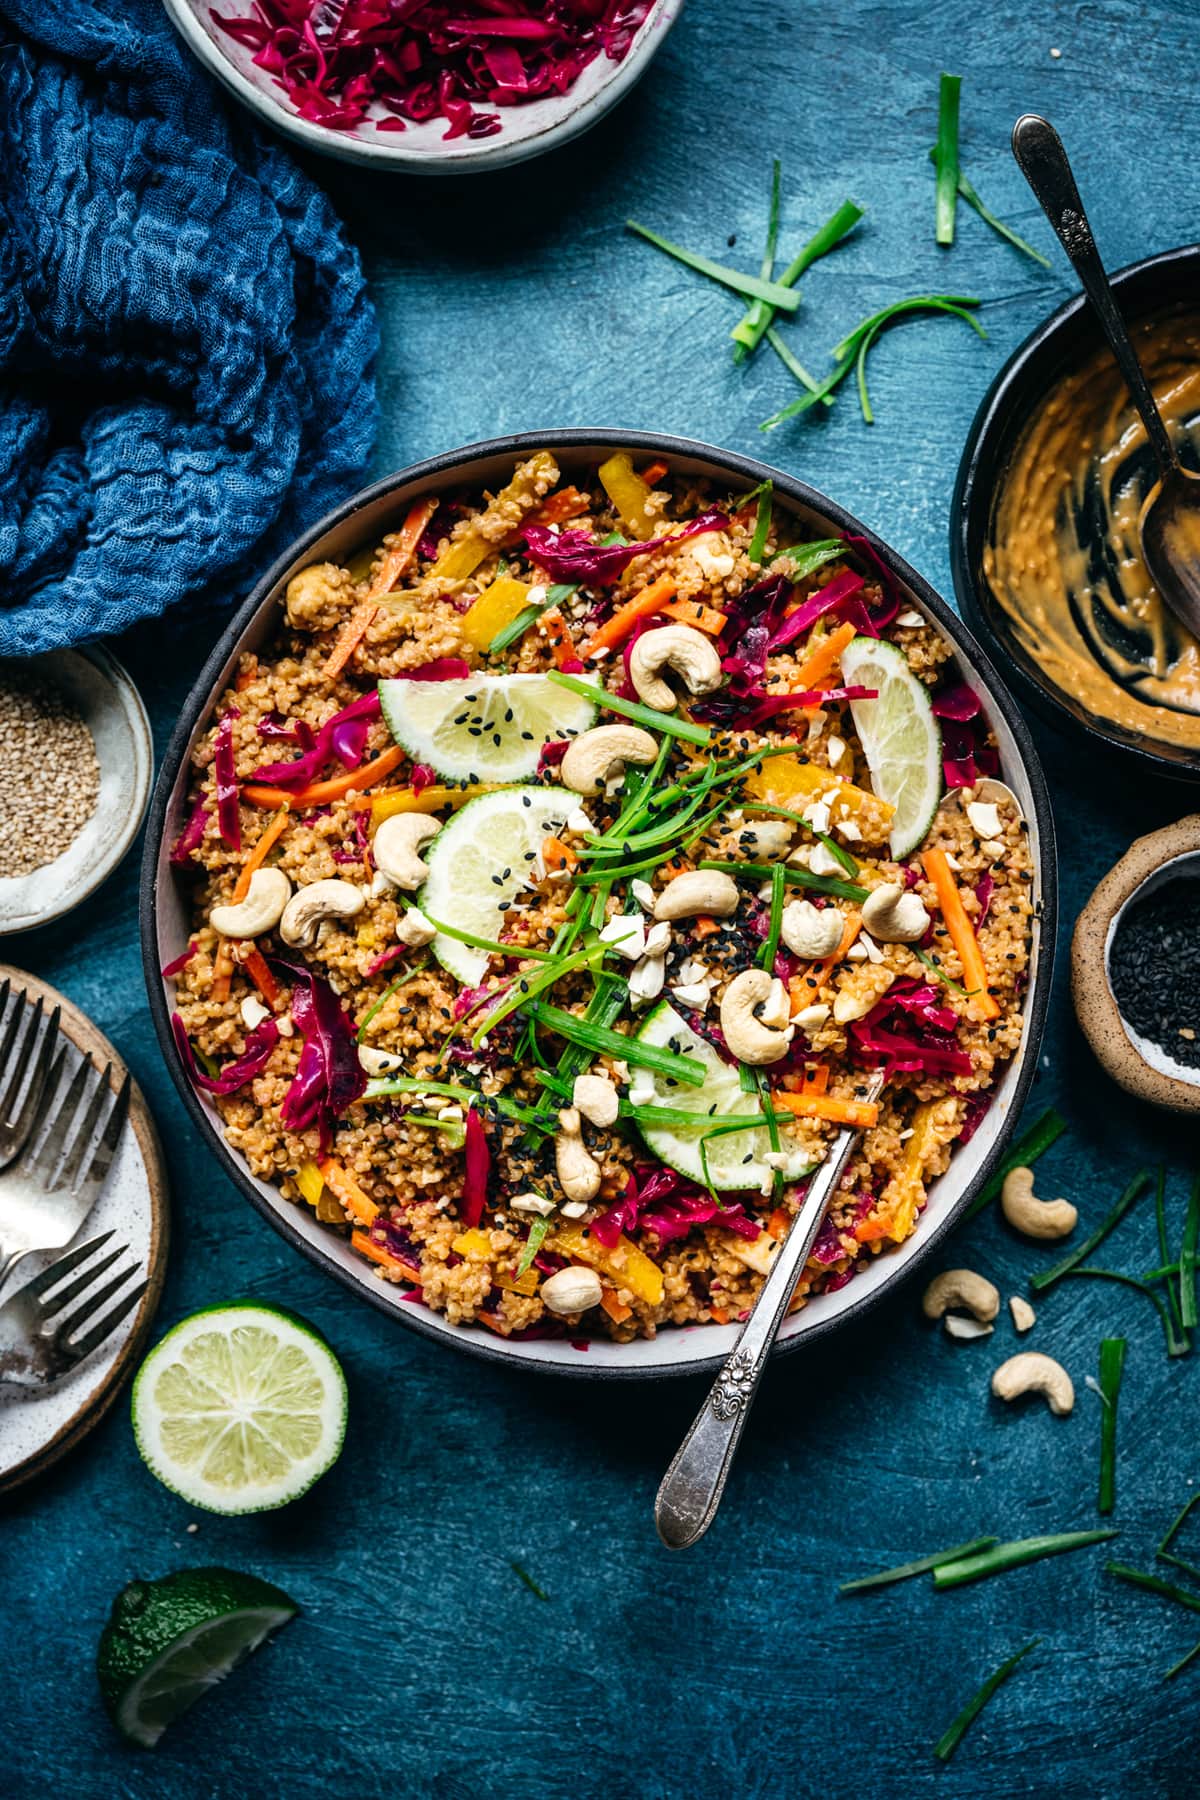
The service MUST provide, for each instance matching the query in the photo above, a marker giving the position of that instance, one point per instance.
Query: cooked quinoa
(466, 1159)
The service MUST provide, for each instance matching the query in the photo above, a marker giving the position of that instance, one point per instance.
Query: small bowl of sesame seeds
(76, 762)
(1135, 968)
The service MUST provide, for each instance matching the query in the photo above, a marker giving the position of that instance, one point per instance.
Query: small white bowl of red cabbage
(427, 86)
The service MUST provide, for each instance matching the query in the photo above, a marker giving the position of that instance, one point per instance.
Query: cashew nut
(308, 909)
(253, 1012)
(397, 848)
(414, 930)
(596, 757)
(694, 658)
(955, 1326)
(750, 1038)
(532, 1203)
(809, 931)
(578, 1171)
(963, 1291)
(893, 916)
(766, 839)
(1026, 1213)
(596, 1098)
(571, 1290)
(1023, 1315)
(261, 910)
(699, 891)
(646, 979)
(1029, 1372)
(378, 1062)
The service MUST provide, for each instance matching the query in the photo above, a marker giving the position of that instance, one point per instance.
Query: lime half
(240, 1408)
(168, 1642)
(901, 739)
(478, 864)
(483, 728)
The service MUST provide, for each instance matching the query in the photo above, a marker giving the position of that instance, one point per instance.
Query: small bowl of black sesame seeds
(1135, 968)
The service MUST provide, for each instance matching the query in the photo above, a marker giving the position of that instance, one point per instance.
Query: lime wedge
(483, 728)
(478, 864)
(168, 1642)
(901, 739)
(240, 1408)
(734, 1160)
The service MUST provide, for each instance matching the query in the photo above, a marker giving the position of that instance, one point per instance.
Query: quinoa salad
(559, 875)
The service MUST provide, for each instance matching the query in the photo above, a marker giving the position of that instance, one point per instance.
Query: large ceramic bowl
(421, 149)
(363, 520)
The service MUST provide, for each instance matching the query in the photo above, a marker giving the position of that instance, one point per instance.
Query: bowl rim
(726, 462)
(580, 112)
(975, 485)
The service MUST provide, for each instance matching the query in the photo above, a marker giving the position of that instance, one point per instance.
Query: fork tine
(82, 1139)
(105, 1327)
(33, 1018)
(43, 1062)
(55, 1299)
(93, 1177)
(14, 1021)
(65, 1263)
(93, 1305)
(44, 1162)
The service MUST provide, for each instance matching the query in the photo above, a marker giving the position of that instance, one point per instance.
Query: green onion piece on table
(1154, 1584)
(1036, 1141)
(752, 286)
(1160, 1218)
(950, 1739)
(1187, 1258)
(530, 1583)
(795, 367)
(945, 157)
(1112, 1366)
(921, 1566)
(749, 331)
(1175, 1346)
(632, 709)
(1164, 1553)
(1177, 1668)
(1135, 1189)
(967, 192)
(1002, 1557)
(759, 310)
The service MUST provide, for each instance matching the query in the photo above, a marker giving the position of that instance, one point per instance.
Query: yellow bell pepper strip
(429, 800)
(496, 607)
(614, 631)
(320, 793)
(343, 1184)
(398, 555)
(260, 852)
(694, 612)
(933, 1123)
(526, 1284)
(475, 1245)
(823, 659)
(625, 1265)
(531, 480)
(863, 1113)
(629, 494)
(365, 1244)
(980, 1004)
(310, 1181)
(784, 781)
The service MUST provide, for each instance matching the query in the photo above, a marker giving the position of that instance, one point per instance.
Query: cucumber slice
(481, 859)
(901, 739)
(718, 1102)
(485, 727)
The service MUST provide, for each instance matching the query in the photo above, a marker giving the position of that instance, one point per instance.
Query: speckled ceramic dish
(422, 148)
(111, 707)
(165, 909)
(1142, 1067)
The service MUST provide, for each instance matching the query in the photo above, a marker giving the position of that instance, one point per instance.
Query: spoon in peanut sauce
(1169, 525)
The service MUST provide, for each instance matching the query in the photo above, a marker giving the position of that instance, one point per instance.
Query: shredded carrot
(670, 870)
(322, 791)
(350, 637)
(694, 612)
(340, 1182)
(616, 1309)
(703, 926)
(779, 1223)
(718, 1313)
(822, 661)
(805, 984)
(962, 935)
(557, 855)
(614, 631)
(400, 554)
(816, 1078)
(562, 645)
(222, 972)
(255, 965)
(824, 1106)
(653, 473)
(366, 1245)
(870, 1231)
(568, 503)
(246, 674)
(259, 853)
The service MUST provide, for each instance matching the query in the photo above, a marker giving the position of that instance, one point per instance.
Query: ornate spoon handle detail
(692, 1487)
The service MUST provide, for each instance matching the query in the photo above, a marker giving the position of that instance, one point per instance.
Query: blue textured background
(421, 1664)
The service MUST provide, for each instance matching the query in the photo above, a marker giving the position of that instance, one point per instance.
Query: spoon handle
(693, 1485)
(1039, 151)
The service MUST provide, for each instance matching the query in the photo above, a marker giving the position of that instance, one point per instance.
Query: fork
(17, 1058)
(40, 1341)
(48, 1192)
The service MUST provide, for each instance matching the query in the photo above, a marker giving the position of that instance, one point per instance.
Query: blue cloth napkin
(186, 341)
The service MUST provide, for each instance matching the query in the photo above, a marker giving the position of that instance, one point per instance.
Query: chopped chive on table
(422, 1663)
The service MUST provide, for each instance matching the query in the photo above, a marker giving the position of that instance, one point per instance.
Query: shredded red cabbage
(552, 754)
(225, 782)
(442, 668)
(475, 1175)
(983, 893)
(336, 59)
(385, 959)
(977, 1107)
(179, 962)
(574, 556)
(344, 736)
(909, 1032)
(329, 1077)
(259, 1044)
(666, 1203)
(827, 1245)
(967, 756)
(422, 777)
(191, 837)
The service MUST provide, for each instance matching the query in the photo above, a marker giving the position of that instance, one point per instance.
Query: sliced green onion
(1164, 1553)
(520, 951)
(391, 1087)
(1112, 1366)
(454, 1129)
(1175, 1346)
(836, 850)
(527, 987)
(632, 709)
(604, 1042)
(530, 1583)
(1048, 1277)
(1187, 1259)
(773, 1120)
(1154, 1584)
(770, 944)
(967, 192)
(945, 157)
(795, 367)
(529, 615)
(758, 310)
(748, 332)
(806, 559)
(603, 1009)
(757, 547)
(954, 1733)
(677, 1117)
(935, 968)
(1177, 1668)
(752, 286)
(746, 1080)
(1002, 1557)
(812, 397)
(821, 884)
(1160, 1217)
(1037, 1140)
(921, 1566)
(533, 1244)
(405, 975)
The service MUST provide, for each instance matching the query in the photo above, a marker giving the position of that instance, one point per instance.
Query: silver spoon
(693, 1485)
(1170, 519)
